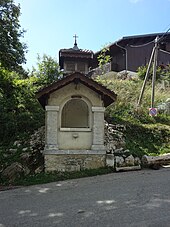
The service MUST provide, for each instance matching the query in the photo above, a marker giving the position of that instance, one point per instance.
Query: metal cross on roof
(75, 36)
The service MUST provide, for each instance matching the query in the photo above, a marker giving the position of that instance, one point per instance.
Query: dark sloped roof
(137, 40)
(107, 95)
(76, 51)
(72, 53)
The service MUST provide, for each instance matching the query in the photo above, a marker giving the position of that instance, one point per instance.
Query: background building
(130, 52)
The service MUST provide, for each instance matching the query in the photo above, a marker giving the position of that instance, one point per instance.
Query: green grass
(141, 139)
(43, 178)
(144, 134)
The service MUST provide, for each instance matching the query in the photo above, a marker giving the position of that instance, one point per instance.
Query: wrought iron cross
(75, 36)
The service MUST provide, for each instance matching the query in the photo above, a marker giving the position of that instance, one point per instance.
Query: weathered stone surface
(122, 161)
(114, 137)
(24, 149)
(15, 170)
(119, 151)
(119, 161)
(100, 71)
(98, 128)
(128, 168)
(115, 144)
(130, 161)
(110, 147)
(40, 169)
(52, 126)
(153, 160)
(73, 162)
(33, 161)
(37, 141)
(137, 161)
(110, 160)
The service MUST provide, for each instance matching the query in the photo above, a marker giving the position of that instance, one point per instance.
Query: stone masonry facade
(74, 162)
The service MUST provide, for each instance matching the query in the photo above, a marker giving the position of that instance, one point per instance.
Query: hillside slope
(144, 134)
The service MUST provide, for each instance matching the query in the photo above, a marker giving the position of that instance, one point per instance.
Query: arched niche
(75, 114)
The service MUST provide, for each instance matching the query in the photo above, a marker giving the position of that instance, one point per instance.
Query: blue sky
(51, 24)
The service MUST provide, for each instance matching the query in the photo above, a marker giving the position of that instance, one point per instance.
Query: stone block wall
(74, 162)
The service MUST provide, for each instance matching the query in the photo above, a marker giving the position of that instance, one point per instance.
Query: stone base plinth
(73, 162)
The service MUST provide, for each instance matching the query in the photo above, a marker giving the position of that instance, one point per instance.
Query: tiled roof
(107, 95)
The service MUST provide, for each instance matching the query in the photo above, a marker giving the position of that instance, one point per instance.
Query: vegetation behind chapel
(21, 114)
(144, 134)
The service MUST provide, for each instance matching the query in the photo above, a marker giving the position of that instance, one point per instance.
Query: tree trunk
(156, 160)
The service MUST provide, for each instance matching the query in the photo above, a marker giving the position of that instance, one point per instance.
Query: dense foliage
(162, 72)
(47, 70)
(12, 50)
(20, 111)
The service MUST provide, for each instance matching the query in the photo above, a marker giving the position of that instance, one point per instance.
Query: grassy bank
(144, 134)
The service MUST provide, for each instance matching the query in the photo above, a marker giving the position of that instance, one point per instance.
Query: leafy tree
(103, 58)
(47, 71)
(12, 50)
(20, 111)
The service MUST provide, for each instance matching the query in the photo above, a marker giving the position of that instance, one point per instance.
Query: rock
(12, 150)
(31, 158)
(40, 169)
(17, 143)
(137, 161)
(118, 127)
(119, 151)
(126, 151)
(25, 149)
(25, 157)
(114, 137)
(110, 160)
(119, 161)
(130, 161)
(26, 171)
(110, 147)
(34, 158)
(37, 141)
(12, 172)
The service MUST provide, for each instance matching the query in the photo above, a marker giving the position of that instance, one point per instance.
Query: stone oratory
(74, 122)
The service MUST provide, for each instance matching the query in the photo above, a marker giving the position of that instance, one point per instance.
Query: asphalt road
(139, 199)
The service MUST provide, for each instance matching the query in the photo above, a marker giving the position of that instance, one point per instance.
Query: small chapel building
(74, 123)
